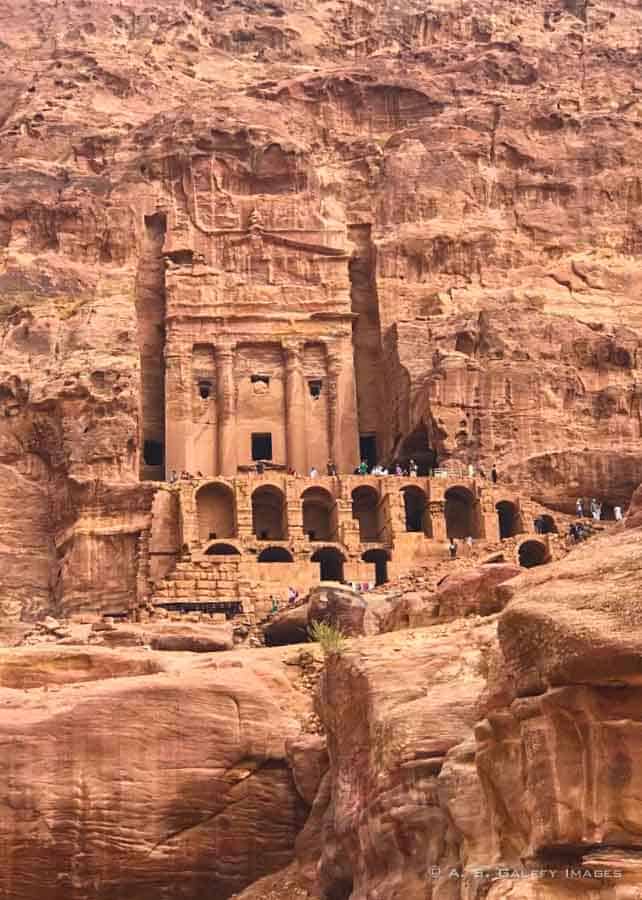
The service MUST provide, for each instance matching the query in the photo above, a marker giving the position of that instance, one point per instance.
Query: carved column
(342, 409)
(226, 403)
(178, 365)
(295, 409)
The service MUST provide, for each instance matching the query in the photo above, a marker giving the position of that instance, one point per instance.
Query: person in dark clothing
(452, 547)
(493, 474)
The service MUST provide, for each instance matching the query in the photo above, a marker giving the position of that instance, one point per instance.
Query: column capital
(224, 349)
(292, 349)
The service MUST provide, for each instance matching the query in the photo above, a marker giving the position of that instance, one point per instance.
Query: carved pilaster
(226, 409)
(177, 405)
(295, 408)
(437, 512)
(334, 370)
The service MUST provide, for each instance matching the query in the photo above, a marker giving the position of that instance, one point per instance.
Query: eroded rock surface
(123, 783)
(478, 164)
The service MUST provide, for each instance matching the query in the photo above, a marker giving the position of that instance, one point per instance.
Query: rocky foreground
(494, 755)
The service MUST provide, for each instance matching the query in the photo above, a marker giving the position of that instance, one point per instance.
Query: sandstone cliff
(481, 160)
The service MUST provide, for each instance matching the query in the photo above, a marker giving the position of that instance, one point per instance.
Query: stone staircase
(201, 582)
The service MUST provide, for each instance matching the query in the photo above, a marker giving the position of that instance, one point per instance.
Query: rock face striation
(133, 773)
(458, 180)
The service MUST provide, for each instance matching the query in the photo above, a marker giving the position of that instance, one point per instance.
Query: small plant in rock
(331, 639)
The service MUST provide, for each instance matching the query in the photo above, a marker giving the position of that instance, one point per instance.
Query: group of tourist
(594, 510)
(293, 597)
(409, 470)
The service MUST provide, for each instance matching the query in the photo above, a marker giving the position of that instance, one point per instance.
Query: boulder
(288, 627)
(195, 639)
(473, 592)
(341, 607)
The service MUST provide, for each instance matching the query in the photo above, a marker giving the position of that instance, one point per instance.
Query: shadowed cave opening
(533, 553)
(150, 315)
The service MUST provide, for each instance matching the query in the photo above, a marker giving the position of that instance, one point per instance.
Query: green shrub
(332, 640)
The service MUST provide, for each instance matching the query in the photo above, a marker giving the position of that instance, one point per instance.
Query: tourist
(260, 467)
(363, 467)
(331, 468)
(572, 532)
(414, 468)
(275, 605)
(469, 544)
(579, 508)
(471, 470)
(493, 474)
(173, 477)
(293, 596)
(617, 512)
(452, 547)
(313, 472)
(398, 470)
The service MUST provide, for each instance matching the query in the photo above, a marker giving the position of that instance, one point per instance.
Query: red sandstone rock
(395, 708)
(185, 787)
(288, 627)
(468, 592)
(473, 592)
(343, 608)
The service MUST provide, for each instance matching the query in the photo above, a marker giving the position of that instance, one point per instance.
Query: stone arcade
(245, 539)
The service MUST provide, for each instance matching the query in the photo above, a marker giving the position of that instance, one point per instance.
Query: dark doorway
(318, 505)
(462, 514)
(380, 559)
(368, 449)
(414, 500)
(275, 555)
(153, 453)
(216, 512)
(269, 517)
(261, 446)
(508, 516)
(222, 550)
(365, 509)
(331, 564)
